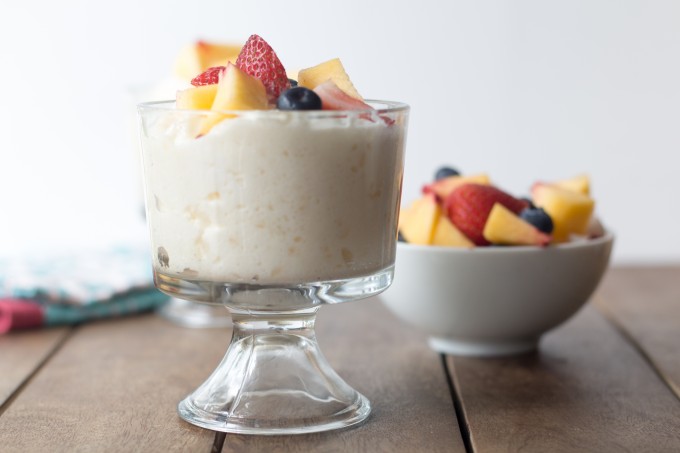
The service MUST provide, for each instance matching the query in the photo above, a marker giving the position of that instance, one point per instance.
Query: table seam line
(27, 380)
(456, 398)
(218, 443)
(609, 316)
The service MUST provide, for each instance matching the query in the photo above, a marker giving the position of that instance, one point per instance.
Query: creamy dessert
(269, 195)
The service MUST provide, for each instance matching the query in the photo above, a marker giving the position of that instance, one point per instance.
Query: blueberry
(445, 172)
(538, 218)
(299, 98)
(293, 82)
(401, 238)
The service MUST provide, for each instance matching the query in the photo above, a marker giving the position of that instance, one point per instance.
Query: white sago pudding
(273, 196)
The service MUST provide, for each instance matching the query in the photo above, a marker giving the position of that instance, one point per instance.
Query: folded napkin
(74, 288)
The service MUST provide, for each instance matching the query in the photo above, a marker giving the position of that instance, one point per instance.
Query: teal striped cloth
(77, 287)
(120, 305)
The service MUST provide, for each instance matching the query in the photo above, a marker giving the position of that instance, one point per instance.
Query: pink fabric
(20, 314)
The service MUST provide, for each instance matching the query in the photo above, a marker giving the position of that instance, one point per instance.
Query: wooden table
(606, 381)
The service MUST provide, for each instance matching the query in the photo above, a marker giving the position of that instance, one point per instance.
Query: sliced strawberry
(259, 60)
(210, 76)
(333, 98)
(469, 205)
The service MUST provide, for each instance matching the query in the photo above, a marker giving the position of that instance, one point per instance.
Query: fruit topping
(538, 218)
(469, 206)
(445, 172)
(504, 227)
(299, 98)
(471, 212)
(330, 70)
(236, 91)
(232, 87)
(197, 98)
(210, 76)
(417, 223)
(446, 234)
(570, 211)
(333, 98)
(259, 60)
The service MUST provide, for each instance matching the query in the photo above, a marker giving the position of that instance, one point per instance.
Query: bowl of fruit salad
(485, 273)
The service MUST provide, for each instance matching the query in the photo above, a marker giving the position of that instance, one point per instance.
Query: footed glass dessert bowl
(273, 214)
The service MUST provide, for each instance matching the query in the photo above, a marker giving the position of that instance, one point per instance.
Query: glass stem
(251, 323)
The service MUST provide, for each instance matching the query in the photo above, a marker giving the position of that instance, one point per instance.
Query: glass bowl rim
(390, 107)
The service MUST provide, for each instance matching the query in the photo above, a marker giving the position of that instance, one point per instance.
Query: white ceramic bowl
(492, 301)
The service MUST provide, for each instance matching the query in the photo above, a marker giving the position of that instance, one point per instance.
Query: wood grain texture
(645, 303)
(586, 390)
(391, 365)
(114, 386)
(21, 353)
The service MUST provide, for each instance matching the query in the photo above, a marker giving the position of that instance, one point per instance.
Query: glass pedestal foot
(274, 380)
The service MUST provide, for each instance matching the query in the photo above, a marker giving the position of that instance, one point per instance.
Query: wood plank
(645, 303)
(114, 386)
(391, 365)
(586, 390)
(21, 353)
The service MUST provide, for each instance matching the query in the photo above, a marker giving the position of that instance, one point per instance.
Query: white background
(523, 90)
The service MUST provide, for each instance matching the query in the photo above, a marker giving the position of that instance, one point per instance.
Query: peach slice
(417, 222)
(504, 227)
(330, 70)
(235, 91)
(197, 98)
(333, 98)
(446, 234)
(570, 211)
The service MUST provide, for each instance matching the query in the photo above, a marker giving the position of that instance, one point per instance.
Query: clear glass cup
(181, 312)
(273, 214)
